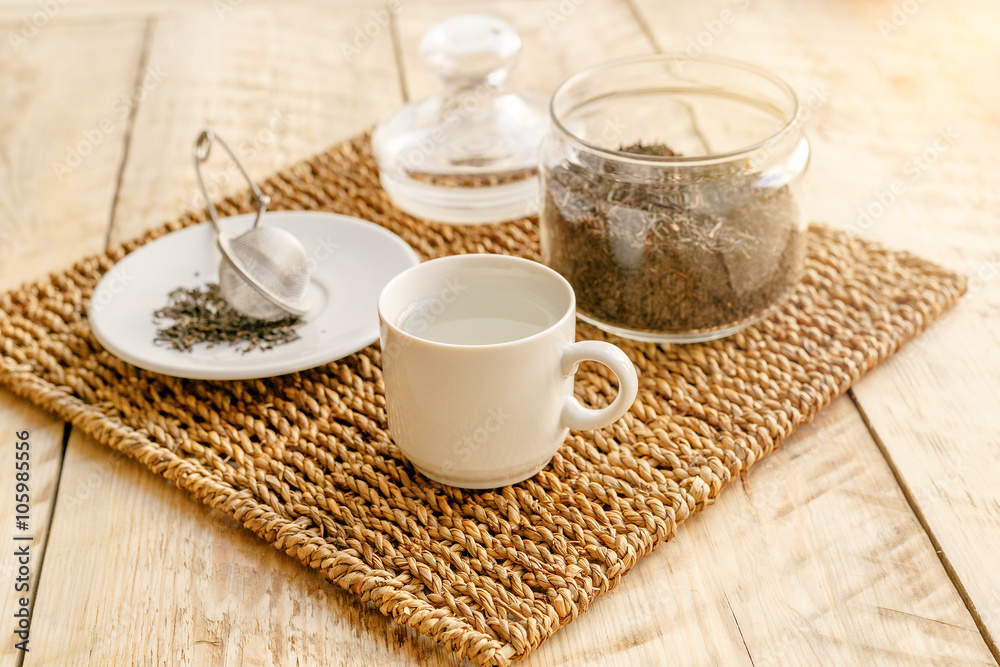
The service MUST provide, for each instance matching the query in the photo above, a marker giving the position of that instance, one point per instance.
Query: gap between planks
(655, 45)
(953, 575)
(644, 26)
(733, 612)
(129, 125)
(397, 52)
(67, 429)
(143, 59)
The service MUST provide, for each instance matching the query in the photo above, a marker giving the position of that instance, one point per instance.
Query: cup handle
(577, 417)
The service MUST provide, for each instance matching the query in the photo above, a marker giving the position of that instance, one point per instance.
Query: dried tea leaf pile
(201, 315)
(670, 249)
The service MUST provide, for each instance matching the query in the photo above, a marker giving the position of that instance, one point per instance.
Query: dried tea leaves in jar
(671, 250)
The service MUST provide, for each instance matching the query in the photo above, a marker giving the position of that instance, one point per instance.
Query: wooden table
(871, 537)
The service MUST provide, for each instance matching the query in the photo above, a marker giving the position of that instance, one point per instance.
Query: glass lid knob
(471, 48)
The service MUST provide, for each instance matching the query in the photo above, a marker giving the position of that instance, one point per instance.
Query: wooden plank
(45, 438)
(62, 94)
(159, 578)
(190, 601)
(26, 18)
(239, 601)
(146, 560)
(272, 80)
(813, 558)
(67, 94)
(560, 38)
(876, 98)
(904, 153)
(710, 635)
(934, 410)
(934, 413)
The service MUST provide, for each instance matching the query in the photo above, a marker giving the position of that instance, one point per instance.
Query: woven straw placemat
(305, 462)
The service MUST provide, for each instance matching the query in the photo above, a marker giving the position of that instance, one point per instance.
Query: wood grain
(23, 17)
(46, 440)
(147, 554)
(54, 107)
(934, 413)
(66, 95)
(785, 571)
(157, 578)
(272, 80)
(905, 152)
(815, 557)
(560, 38)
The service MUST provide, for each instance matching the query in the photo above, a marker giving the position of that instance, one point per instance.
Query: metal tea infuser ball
(264, 272)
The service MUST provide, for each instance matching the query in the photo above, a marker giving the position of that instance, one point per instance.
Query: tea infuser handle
(202, 148)
(577, 417)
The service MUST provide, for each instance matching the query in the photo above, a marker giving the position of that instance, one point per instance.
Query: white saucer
(351, 261)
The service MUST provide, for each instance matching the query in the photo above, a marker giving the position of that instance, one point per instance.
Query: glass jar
(672, 195)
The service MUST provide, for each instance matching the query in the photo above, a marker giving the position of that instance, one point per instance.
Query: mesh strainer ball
(273, 259)
(264, 272)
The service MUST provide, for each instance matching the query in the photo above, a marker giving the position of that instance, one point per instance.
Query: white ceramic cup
(478, 358)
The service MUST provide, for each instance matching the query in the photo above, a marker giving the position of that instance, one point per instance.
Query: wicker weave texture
(305, 461)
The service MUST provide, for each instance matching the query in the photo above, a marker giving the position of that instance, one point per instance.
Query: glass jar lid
(469, 154)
